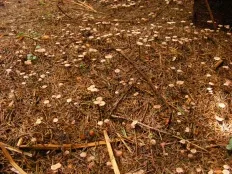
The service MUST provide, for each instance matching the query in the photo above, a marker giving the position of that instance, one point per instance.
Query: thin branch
(142, 125)
(65, 146)
(62, 11)
(163, 100)
(16, 150)
(210, 13)
(10, 159)
(111, 154)
(85, 5)
(121, 138)
(120, 100)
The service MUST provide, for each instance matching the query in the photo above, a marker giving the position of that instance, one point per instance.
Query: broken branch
(163, 100)
(142, 125)
(111, 154)
(65, 146)
(10, 159)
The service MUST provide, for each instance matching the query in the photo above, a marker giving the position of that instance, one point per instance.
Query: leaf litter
(64, 55)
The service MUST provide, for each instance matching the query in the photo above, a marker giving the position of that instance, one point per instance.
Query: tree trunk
(221, 11)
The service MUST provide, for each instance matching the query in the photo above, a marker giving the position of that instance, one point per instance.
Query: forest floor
(159, 86)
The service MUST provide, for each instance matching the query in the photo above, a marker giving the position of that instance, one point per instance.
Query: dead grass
(185, 110)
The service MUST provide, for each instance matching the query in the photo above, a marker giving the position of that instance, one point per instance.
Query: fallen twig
(128, 148)
(83, 4)
(111, 154)
(62, 11)
(119, 100)
(148, 80)
(160, 12)
(210, 13)
(20, 141)
(216, 146)
(142, 125)
(65, 146)
(10, 159)
(16, 150)
(217, 64)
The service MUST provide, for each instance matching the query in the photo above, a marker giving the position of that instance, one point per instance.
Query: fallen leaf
(118, 152)
(227, 83)
(56, 166)
(225, 171)
(226, 166)
(219, 118)
(83, 154)
(45, 37)
(221, 105)
(179, 170)
(133, 124)
(40, 50)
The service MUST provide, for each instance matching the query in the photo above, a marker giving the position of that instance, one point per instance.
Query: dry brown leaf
(45, 37)
(56, 166)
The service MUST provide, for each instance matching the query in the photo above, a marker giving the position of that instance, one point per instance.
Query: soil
(138, 69)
